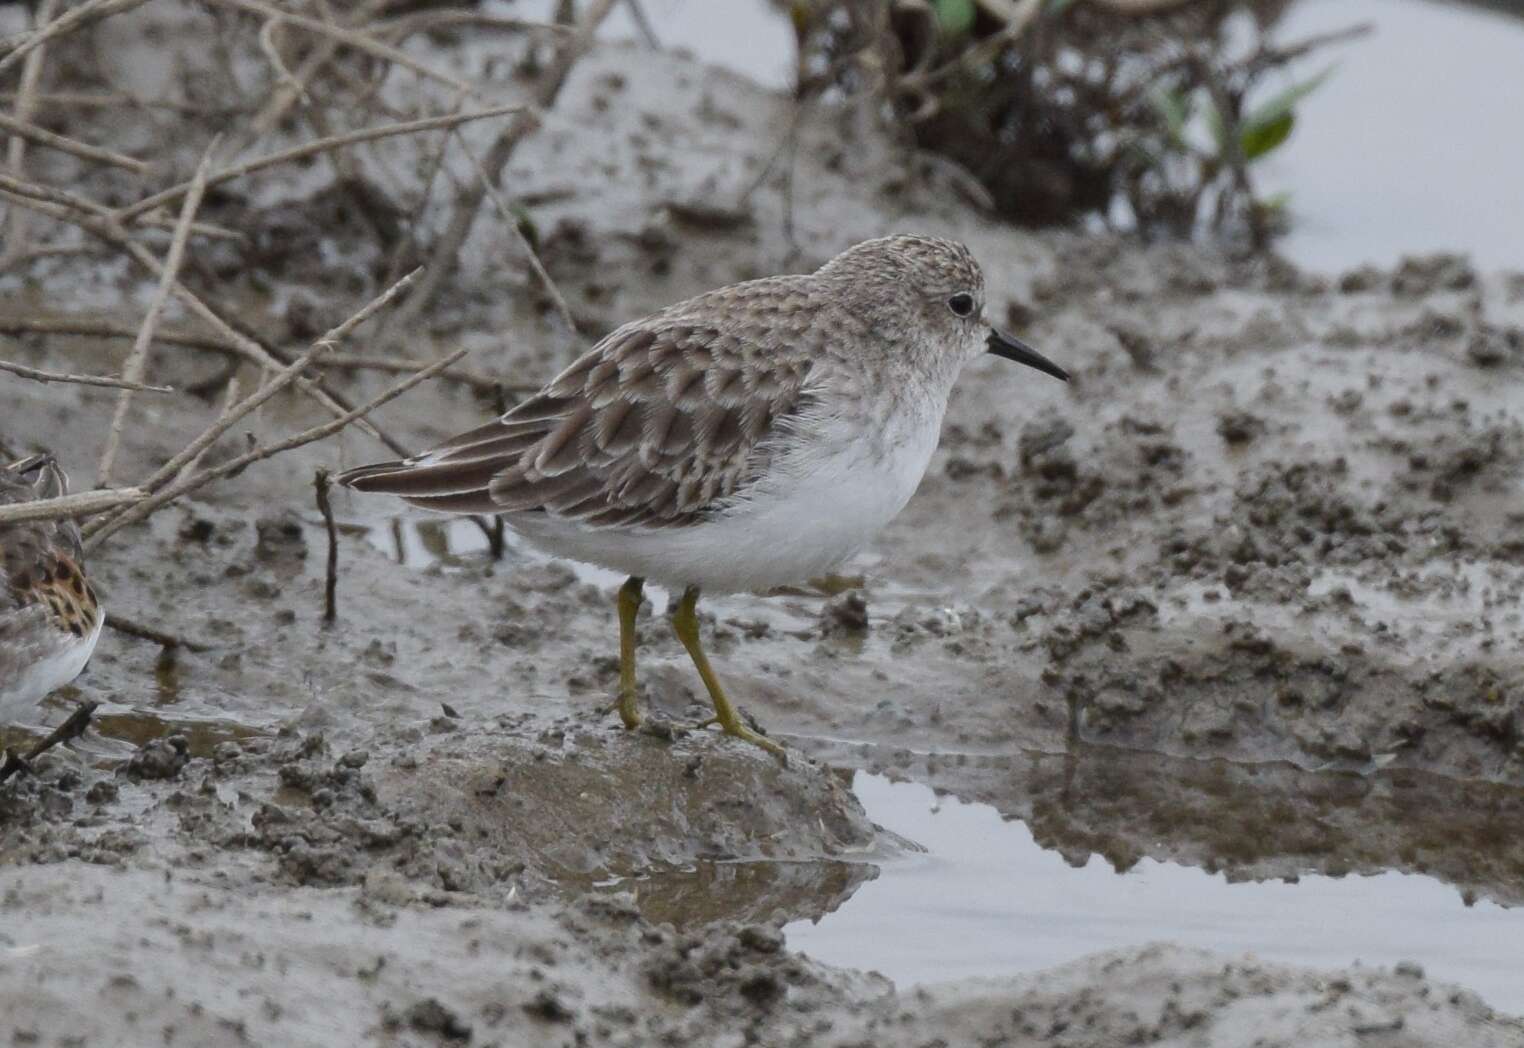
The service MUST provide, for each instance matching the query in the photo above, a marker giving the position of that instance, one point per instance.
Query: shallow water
(986, 900)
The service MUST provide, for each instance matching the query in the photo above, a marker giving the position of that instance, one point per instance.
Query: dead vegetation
(1141, 114)
(273, 92)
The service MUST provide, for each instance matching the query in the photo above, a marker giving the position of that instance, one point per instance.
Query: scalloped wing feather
(656, 426)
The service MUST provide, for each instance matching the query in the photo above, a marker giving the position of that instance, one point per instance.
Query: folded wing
(653, 427)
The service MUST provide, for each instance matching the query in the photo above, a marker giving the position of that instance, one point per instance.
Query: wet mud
(1245, 595)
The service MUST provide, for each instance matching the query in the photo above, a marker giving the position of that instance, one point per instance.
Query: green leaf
(1276, 203)
(1174, 108)
(1270, 124)
(1255, 140)
(955, 16)
(1215, 124)
(1286, 101)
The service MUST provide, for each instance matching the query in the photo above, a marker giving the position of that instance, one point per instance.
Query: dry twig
(69, 21)
(79, 504)
(91, 327)
(38, 375)
(137, 360)
(323, 145)
(112, 232)
(132, 628)
(42, 137)
(512, 222)
(479, 381)
(155, 502)
(26, 102)
(348, 37)
(72, 728)
(171, 471)
(468, 203)
(322, 483)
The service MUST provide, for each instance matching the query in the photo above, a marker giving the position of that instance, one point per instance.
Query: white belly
(819, 507)
(51, 663)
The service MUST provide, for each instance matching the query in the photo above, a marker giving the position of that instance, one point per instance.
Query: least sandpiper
(753, 436)
(49, 616)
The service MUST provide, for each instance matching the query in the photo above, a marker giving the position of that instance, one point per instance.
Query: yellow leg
(629, 607)
(685, 622)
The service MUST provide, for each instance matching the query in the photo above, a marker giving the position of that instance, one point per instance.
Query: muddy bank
(1245, 595)
(133, 957)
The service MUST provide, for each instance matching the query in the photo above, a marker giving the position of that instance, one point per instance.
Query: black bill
(1003, 345)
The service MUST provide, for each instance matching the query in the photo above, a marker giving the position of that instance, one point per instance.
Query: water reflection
(992, 898)
(751, 892)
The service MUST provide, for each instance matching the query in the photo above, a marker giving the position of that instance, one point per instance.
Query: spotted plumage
(50, 617)
(752, 436)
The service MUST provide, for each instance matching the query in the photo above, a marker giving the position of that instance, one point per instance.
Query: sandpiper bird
(753, 436)
(49, 616)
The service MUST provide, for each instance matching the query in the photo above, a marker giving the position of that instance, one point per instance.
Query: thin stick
(137, 359)
(38, 136)
(172, 469)
(512, 223)
(90, 327)
(322, 145)
(406, 366)
(132, 628)
(348, 37)
(113, 233)
(80, 380)
(242, 462)
(321, 481)
(286, 95)
(84, 206)
(26, 102)
(72, 728)
(404, 26)
(283, 75)
(229, 403)
(67, 23)
(79, 504)
(469, 202)
(643, 24)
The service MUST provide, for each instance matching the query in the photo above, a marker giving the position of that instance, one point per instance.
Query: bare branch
(322, 145)
(171, 470)
(54, 195)
(348, 37)
(37, 375)
(469, 202)
(512, 223)
(38, 136)
(26, 102)
(79, 504)
(242, 462)
(71, 20)
(113, 233)
(137, 360)
(92, 327)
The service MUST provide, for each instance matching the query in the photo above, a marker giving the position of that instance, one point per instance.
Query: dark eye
(962, 304)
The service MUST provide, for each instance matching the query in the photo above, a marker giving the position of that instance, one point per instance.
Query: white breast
(49, 664)
(822, 502)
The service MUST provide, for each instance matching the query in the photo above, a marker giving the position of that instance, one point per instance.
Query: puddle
(988, 900)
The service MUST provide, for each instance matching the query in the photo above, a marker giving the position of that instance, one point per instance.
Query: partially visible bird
(753, 436)
(50, 617)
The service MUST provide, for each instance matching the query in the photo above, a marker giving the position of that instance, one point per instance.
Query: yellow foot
(745, 734)
(629, 711)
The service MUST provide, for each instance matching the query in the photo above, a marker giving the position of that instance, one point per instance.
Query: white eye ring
(962, 304)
